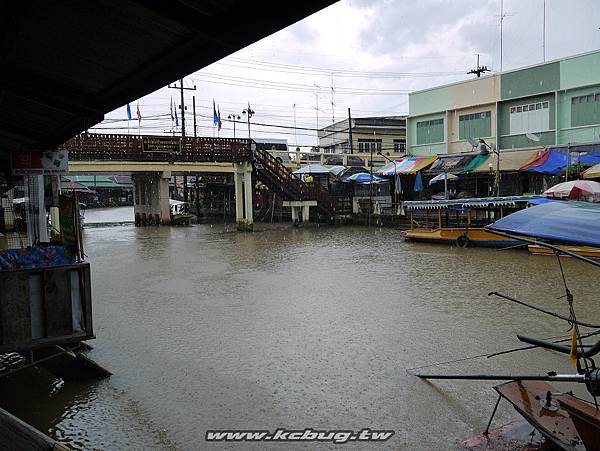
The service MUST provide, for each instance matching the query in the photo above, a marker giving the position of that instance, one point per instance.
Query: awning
(510, 160)
(546, 162)
(97, 181)
(560, 222)
(452, 163)
(479, 202)
(312, 169)
(408, 165)
(592, 173)
(476, 162)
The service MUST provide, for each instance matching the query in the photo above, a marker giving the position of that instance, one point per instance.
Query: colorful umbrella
(443, 176)
(365, 177)
(575, 189)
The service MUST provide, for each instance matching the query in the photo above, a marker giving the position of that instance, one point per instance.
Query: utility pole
(197, 196)
(317, 110)
(544, 33)
(332, 103)
(501, 23)
(479, 70)
(182, 89)
(350, 132)
(295, 129)
(249, 112)
(194, 111)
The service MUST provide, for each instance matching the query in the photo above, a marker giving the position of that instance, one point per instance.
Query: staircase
(282, 181)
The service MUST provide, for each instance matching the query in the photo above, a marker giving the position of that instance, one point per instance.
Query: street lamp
(248, 112)
(234, 118)
(485, 150)
(395, 172)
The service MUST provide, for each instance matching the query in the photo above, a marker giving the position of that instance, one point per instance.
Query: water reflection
(206, 328)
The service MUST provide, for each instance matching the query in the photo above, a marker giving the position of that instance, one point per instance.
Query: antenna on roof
(479, 70)
(474, 142)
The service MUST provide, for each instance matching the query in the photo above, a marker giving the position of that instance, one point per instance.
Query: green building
(555, 103)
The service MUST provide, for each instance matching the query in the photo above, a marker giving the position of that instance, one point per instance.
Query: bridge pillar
(244, 189)
(300, 210)
(151, 198)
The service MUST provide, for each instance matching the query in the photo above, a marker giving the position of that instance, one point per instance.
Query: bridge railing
(117, 147)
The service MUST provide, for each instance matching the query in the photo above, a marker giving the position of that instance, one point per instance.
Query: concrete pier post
(239, 198)
(243, 196)
(151, 198)
(305, 213)
(163, 197)
(248, 198)
(294, 215)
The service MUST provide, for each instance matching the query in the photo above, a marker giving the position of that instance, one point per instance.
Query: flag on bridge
(220, 124)
(128, 112)
(171, 109)
(176, 118)
(139, 115)
(215, 117)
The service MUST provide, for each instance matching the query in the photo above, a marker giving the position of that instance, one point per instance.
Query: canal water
(205, 328)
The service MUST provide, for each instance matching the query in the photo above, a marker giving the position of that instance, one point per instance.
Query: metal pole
(185, 193)
(446, 185)
(544, 33)
(497, 173)
(350, 132)
(182, 109)
(568, 162)
(194, 108)
(371, 183)
(487, 429)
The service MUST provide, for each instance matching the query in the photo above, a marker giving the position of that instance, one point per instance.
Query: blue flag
(176, 118)
(128, 112)
(215, 116)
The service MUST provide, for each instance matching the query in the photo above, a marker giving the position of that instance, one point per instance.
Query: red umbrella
(576, 189)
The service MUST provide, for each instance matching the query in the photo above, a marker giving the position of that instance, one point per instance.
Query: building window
(430, 131)
(475, 125)
(399, 145)
(530, 118)
(369, 145)
(585, 110)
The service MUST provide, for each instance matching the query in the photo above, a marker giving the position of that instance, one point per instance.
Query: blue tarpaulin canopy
(567, 222)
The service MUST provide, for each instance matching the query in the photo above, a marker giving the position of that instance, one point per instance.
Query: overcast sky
(372, 52)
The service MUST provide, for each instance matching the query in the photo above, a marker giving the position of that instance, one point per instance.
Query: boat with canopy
(461, 222)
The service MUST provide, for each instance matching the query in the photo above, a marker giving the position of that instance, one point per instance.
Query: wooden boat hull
(584, 251)
(569, 423)
(477, 237)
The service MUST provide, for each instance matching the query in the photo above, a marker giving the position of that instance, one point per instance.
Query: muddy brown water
(206, 328)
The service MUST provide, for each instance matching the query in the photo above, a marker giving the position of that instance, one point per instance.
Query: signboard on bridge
(163, 144)
(40, 162)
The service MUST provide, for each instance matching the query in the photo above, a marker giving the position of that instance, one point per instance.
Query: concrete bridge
(152, 160)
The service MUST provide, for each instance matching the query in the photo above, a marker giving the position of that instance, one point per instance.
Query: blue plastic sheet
(35, 257)
(567, 222)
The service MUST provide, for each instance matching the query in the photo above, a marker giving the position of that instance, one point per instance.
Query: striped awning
(408, 165)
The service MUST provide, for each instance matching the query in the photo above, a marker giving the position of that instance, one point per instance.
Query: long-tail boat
(564, 420)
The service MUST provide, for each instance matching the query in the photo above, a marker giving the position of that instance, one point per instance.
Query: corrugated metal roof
(68, 63)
